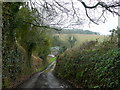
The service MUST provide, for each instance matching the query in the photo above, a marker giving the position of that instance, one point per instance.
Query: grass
(41, 68)
(81, 38)
(50, 60)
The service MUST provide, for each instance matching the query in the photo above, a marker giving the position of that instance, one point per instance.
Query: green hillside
(76, 31)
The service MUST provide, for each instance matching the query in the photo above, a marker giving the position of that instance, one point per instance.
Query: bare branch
(101, 15)
(48, 27)
(90, 7)
(61, 6)
(103, 5)
(90, 17)
(50, 11)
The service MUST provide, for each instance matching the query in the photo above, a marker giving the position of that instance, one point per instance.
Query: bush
(91, 67)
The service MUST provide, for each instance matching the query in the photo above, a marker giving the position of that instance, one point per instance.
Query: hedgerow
(95, 67)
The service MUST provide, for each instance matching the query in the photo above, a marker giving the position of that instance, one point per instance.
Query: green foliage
(21, 39)
(56, 41)
(52, 59)
(72, 40)
(43, 48)
(12, 57)
(6, 82)
(94, 66)
(31, 38)
(113, 35)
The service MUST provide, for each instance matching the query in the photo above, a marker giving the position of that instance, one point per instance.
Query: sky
(102, 28)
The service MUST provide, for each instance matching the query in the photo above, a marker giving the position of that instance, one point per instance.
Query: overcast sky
(104, 28)
(65, 21)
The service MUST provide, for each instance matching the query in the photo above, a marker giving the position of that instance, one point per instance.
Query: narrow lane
(45, 79)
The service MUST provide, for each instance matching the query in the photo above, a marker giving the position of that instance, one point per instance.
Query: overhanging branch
(103, 5)
(48, 27)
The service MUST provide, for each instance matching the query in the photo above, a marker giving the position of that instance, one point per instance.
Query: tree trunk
(29, 54)
(118, 38)
(119, 28)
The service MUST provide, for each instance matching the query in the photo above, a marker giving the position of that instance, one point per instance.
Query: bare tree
(56, 9)
(67, 13)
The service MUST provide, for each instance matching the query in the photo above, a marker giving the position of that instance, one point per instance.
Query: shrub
(91, 67)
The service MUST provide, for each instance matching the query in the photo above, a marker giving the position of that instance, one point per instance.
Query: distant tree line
(76, 31)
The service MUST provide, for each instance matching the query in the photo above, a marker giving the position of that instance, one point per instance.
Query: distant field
(82, 37)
